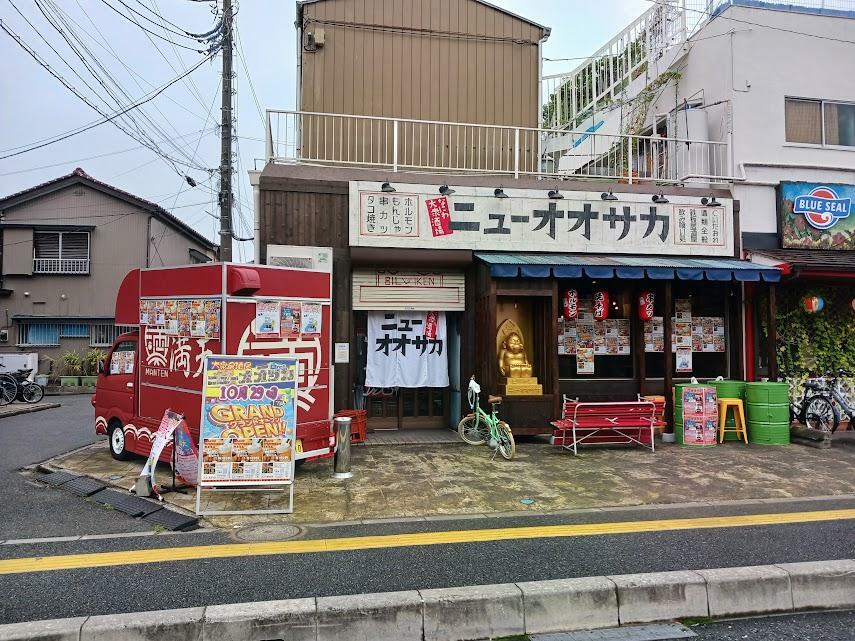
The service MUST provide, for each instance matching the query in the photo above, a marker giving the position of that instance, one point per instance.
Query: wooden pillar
(667, 326)
(772, 338)
(637, 330)
(551, 351)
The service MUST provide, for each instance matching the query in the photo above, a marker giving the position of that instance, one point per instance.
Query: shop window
(590, 348)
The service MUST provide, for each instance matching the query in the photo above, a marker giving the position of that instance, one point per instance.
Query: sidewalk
(396, 482)
(17, 407)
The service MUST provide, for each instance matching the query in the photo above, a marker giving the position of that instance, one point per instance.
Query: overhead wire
(149, 31)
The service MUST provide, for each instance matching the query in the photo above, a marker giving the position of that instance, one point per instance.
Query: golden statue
(514, 366)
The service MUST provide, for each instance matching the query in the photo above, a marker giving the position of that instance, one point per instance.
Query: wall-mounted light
(63, 297)
(26, 294)
(608, 196)
(660, 199)
(711, 201)
(445, 190)
(554, 194)
(387, 188)
(499, 193)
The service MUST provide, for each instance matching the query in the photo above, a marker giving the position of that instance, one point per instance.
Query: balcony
(60, 265)
(401, 144)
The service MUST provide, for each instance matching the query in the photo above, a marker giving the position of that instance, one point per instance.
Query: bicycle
(15, 386)
(478, 427)
(819, 411)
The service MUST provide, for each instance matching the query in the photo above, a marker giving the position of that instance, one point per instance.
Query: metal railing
(401, 144)
(61, 265)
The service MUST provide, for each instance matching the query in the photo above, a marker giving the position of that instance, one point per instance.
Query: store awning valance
(632, 267)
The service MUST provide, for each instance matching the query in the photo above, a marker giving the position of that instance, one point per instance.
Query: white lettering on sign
(530, 221)
(408, 279)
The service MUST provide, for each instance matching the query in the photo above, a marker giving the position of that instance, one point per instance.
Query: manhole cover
(267, 532)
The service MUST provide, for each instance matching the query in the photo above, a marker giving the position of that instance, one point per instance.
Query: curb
(29, 409)
(479, 612)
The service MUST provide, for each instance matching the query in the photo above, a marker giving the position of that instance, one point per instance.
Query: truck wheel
(118, 450)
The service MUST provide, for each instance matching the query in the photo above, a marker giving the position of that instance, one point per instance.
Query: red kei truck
(155, 368)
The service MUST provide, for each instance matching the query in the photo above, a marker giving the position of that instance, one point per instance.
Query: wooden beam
(667, 326)
(772, 338)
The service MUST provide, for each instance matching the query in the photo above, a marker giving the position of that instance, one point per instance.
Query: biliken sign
(417, 216)
(385, 289)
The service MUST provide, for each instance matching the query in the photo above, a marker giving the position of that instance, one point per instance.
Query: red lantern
(645, 305)
(570, 304)
(601, 304)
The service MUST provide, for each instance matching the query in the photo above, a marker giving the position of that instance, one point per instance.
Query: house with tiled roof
(66, 245)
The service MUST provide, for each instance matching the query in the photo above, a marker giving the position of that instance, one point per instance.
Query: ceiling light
(554, 194)
(499, 193)
(387, 188)
(445, 190)
(608, 196)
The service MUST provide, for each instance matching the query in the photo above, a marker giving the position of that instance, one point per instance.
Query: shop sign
(248, 421)
(424, 290)
(407, 349)
(528, 220)
(816, 215)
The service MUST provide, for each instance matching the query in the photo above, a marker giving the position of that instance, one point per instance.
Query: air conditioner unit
(4, 335)
(300, 257)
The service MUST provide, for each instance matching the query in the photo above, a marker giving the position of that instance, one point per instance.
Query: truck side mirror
(101, 367)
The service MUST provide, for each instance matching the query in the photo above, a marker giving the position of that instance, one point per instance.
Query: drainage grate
(655, 632)
(173, 520)
(56, 478)
(134, 505)
(83, 486)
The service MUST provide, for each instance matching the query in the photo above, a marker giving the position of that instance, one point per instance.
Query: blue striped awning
(631, 267)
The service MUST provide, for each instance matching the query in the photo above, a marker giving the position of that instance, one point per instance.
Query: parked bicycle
(478, 427)
(823, 397)
(16, 386)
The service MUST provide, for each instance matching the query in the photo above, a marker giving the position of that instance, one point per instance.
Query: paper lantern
(570, 304)
(853, 304)
(601, 304)
(645, 305)
(813, 304)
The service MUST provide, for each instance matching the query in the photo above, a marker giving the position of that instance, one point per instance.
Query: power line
(248, 77)
(149, 31)
(105, 116)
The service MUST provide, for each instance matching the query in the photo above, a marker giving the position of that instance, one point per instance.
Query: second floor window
(819, 122)
(60, 252)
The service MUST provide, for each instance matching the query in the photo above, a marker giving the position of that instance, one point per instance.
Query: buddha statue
(514, 366)
(513, 361)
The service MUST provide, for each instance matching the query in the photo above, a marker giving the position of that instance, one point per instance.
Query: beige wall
(486, 74)
(117, 245)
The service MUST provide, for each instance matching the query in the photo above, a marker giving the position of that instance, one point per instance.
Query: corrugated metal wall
(447, 60)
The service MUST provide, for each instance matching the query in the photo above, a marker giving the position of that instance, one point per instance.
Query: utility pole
(226, 140)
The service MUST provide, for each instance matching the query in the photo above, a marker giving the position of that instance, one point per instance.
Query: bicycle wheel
(473, 429)
(8, 389)
(32, 393)
(507, 447)
(821, 414)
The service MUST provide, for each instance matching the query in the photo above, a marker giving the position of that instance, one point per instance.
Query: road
(826, 626)
(143, 572)
(31, 510)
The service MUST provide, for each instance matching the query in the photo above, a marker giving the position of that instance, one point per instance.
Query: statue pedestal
(520, 386)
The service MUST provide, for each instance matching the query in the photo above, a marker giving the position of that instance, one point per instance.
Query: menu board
(701, 334)
(248, 424)
(585, 338)
(196, 317)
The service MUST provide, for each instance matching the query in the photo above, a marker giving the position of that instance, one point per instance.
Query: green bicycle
(479, 427)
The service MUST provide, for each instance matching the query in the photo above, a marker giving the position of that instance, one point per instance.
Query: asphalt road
(825, 626)
(29, 510)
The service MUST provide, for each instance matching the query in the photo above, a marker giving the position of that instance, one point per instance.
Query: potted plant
(72, 365)
(90, 367)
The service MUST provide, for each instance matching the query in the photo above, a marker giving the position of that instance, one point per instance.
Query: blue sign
(816, 215)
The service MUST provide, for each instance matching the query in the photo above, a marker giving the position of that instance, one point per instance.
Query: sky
(182, 120)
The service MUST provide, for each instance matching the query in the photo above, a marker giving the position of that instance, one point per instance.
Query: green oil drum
(767, 411)
(768, 393)
(766, 433)
(729, 389)
(678, 412)
(760, 413)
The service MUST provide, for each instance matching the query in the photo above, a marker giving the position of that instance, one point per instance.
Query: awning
(632, 267)
(808, 261)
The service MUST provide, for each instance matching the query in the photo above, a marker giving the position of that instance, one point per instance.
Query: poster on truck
(248, 421)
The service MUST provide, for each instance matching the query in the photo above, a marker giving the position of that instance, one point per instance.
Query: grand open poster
(248, 421)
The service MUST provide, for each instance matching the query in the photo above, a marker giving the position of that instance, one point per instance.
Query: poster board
(700, 416)
(248, 425)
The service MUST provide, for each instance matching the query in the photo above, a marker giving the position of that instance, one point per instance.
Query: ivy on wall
(813, 343)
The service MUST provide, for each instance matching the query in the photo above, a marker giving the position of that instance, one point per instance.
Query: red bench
(582, 423)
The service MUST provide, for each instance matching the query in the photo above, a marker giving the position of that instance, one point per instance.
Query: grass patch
(696, 621)
(515, 637)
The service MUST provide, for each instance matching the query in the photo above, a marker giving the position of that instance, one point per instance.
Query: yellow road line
(160, 555)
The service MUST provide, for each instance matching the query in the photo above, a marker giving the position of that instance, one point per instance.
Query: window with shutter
(57, 252)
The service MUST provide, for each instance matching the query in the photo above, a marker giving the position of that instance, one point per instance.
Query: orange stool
(734, 404)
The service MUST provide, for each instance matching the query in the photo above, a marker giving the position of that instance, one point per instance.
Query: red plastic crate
(358, 424)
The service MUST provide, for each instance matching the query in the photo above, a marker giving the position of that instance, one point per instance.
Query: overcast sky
(35, 106)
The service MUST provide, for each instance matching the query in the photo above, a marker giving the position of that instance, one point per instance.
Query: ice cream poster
(248, 425)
